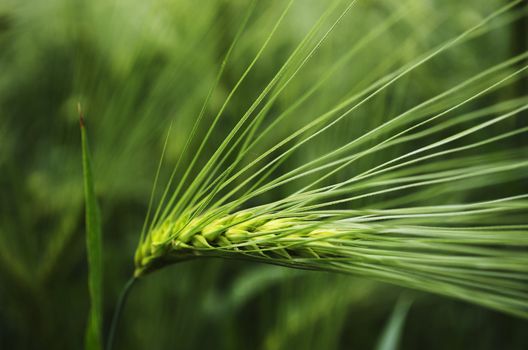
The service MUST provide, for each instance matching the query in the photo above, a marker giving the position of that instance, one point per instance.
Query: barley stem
(118, 310)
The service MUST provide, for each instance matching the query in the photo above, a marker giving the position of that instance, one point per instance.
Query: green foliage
(403, 122)
(94, 248)
(391, 335)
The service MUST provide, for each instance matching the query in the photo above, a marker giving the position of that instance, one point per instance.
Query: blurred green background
(136, 66)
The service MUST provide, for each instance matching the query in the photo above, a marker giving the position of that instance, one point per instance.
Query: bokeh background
(136, 66)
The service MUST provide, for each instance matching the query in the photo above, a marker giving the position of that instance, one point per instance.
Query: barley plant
(408, 216)
(374, 146)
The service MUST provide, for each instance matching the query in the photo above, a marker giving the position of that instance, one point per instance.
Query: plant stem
(117, 313)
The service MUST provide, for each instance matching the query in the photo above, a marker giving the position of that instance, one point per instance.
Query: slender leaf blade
(94, 249)
(390, 338)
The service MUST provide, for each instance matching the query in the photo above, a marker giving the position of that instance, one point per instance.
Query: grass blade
(93, 247)
(390, 338)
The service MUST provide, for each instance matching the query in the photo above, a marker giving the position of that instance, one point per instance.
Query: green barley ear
(94, 248)
(432, 211)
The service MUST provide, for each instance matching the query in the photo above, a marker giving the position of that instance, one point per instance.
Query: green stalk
(117, 312)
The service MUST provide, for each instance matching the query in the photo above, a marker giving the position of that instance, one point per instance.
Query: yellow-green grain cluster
(245, 233)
